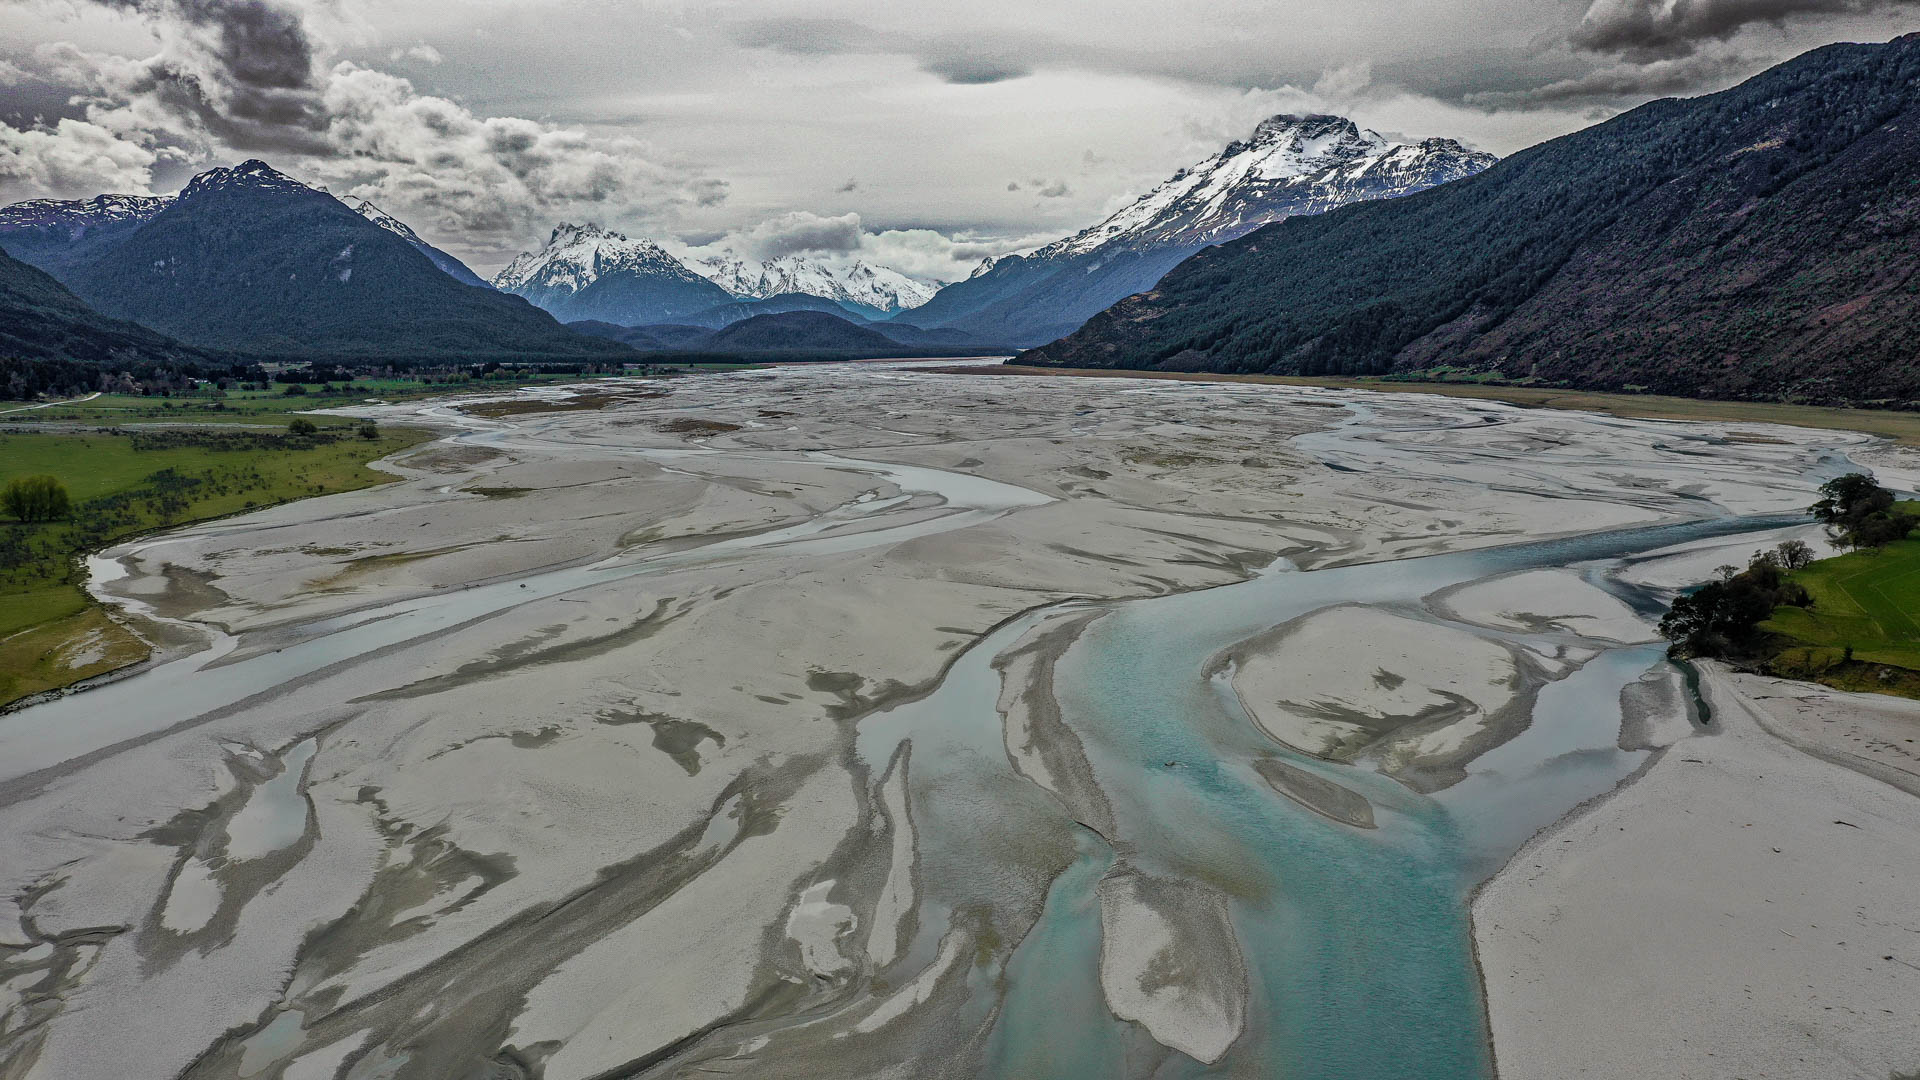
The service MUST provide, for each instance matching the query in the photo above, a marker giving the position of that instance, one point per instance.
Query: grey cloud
(966, 70)
(810, 37)
(1056, 190)
(849, 187)
(246, 69)
(802, 232)
(966, 60)
(1645, 30)
(1624, 81)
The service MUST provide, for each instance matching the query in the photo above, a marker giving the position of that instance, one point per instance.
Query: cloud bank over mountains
(920, 135)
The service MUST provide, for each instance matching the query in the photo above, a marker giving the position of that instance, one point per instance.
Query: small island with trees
(1847, 621)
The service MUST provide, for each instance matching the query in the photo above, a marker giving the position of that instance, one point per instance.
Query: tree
(36, 498)
(300, 425)
(1795, 554)
(1845, 499)
(369, 431)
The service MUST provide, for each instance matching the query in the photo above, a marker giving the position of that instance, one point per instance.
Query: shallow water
(178, 692)
(1358, 941)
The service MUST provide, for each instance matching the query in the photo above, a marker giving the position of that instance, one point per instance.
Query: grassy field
(1867, 602)
(1901, 427)
(128, 482)
(259, 407)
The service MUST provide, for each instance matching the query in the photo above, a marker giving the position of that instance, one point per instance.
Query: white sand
(1686, 565)
(758, 588)
(1545, 599)
(1743, 909)
(1343, 681)
(1873, 733)
(1169, 960)
(895, 901)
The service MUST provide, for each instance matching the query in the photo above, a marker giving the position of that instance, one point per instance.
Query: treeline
(37, 379)
(1722, 618)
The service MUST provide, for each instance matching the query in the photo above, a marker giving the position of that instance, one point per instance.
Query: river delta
(869, 720)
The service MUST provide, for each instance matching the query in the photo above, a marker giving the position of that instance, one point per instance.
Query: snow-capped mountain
(874, 291)
(249, 260)
(1290, 166)
(58, 234)
(252, 175)
(885, 288)
(83, 213)
(586, 272)
(447, 263)
(986, 264)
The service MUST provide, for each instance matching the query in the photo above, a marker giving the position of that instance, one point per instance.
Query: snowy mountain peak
(83, 213)
(383, 219)
(565, 234)
(251, 174)
(1290, 165)
(578, 255)
(863, 286)
(885, 288)
(1282, 126)
(986, 264)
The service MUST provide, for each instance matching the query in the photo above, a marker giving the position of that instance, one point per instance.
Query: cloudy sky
(920, 134)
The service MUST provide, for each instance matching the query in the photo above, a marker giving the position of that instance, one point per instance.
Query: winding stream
(1357, 940)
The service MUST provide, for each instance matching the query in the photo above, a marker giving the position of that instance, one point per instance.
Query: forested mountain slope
(1756, 243)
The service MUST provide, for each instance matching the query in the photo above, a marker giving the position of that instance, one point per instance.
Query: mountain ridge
(585, 272)
(1290, 166)
(40, 319)
(870, 291)
(249, 260)
(1755, 243)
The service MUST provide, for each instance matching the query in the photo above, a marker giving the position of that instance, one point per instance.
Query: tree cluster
(1722, 617)
(1859, 513)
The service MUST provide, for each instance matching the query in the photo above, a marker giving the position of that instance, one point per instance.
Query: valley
(829, 720)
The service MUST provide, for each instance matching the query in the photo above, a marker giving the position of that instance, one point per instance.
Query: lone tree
(369, 431)
(36, 498)
(1860, 513)
(1795, 554)
(300, 425)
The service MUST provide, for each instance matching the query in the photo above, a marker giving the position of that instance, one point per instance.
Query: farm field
(270, 407)
(1867, 601)
(124, 483)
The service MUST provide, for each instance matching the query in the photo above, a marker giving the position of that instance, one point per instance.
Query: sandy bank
(1742, 909)
(1355, 683)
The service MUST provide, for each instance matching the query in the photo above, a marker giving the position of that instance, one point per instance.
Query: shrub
(300, 425)
(369, 431)
(36, 498)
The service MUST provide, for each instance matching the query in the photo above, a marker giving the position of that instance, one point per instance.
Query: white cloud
(838, 242)
(240, 78)
(71, 159)
(422, 53)
(678, 119)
